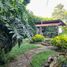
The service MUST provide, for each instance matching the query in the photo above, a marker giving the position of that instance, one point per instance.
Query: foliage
(65, 16)
(5, 38)
(39, 19)
(2, 57)
(13, 23)
(46, 19)
(26, 2)
(64, 29)
(59, 12)
(37, 38)
(31, 20)
(14, 15)
(39, 59)
(62, 60)
(60, 41)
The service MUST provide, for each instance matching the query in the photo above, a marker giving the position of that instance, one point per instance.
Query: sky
(44, 8)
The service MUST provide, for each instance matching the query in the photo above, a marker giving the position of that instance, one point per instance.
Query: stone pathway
(24, 60)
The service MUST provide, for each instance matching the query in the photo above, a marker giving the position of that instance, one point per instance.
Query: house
(49, 28)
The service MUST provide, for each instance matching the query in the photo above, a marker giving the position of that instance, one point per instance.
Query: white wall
(60, 30)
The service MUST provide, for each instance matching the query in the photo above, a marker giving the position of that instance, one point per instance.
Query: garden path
(25, 59)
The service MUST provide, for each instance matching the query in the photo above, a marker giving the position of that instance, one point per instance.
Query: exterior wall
(60, 30)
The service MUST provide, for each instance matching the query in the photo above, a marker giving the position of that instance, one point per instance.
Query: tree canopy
(58, 12)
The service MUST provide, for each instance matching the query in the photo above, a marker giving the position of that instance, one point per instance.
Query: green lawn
(40, 58)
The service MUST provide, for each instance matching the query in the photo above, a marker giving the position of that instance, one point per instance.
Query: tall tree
(65, 16)
(58, 12)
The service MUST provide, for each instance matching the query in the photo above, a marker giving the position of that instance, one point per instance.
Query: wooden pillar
(57, 30)
(37, 30)
(41, 30)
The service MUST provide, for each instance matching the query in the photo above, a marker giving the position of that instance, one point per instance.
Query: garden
(27, 40)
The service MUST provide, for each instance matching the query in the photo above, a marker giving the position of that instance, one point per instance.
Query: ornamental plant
(37, 38)
(60, 41)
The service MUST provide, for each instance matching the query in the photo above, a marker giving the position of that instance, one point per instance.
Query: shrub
(37, 38)
(60, 41)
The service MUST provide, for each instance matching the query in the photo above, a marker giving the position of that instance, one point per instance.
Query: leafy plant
(37, 38)
(26, 1)
(60, 41)
(14, 16)
(13, 23)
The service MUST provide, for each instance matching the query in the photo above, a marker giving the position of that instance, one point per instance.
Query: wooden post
(41, 30)
(37, 30)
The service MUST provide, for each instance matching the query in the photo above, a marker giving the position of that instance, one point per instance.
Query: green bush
(60, 41)
(37, 38)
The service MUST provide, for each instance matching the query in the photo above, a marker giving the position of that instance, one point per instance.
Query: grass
(24, 47)
(16, 51)
(40, 58)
